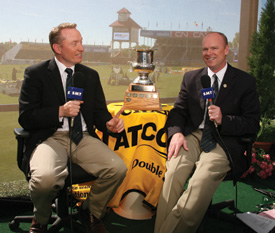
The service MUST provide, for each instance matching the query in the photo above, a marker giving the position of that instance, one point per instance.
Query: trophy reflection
(142, 93)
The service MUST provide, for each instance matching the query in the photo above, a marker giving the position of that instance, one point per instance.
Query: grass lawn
(168, 86)
(8, 147)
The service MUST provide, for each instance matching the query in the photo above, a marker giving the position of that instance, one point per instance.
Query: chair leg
(57, 223)
(69, 222)
(215, 211)
(222, 205)
(14, 224)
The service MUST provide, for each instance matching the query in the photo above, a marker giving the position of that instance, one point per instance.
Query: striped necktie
(208, 142)
(215, 85)
(75, 130)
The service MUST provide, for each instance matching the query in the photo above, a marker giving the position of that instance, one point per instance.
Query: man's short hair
(55, 34)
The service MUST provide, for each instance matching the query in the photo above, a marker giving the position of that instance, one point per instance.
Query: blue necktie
(215, 85)
(75, 131)
(208, 142)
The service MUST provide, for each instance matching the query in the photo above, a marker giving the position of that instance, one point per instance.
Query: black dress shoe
(37, 228)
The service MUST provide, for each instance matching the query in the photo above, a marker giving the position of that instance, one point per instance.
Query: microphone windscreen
(78, 80)
(205, 81)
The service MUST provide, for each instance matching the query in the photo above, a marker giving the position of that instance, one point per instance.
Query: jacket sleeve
(246, 119)
(37, 107)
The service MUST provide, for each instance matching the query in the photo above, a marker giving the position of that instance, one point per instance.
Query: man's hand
(70, 108)
(215, 114)
(177, 141)
(116, 125)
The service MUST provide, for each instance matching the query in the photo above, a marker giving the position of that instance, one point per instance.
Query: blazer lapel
(226, 85)
(55, 78)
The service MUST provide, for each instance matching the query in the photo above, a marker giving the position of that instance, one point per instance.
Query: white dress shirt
(220, 76)
(64, 75)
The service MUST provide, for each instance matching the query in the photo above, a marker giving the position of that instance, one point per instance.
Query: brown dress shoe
(96, 226)
(37, 228)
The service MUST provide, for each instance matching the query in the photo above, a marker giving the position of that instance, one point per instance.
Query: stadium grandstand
(177, 48)
(34, 51)
(172, 48)
(30, 52)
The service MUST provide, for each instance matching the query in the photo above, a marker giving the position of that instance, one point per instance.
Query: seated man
(45, 112)
(235, 113)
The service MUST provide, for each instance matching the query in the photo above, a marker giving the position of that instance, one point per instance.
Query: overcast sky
(30, 20)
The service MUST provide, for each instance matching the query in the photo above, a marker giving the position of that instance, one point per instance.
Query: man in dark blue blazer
(234, 114)
(45, 112)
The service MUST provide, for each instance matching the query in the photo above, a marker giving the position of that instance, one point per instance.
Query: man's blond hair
(55, 34)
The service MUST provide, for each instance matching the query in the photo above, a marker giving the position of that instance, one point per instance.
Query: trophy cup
(142, 93)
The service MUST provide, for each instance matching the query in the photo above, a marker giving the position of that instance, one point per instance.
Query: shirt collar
(220, 74)
(62, 67)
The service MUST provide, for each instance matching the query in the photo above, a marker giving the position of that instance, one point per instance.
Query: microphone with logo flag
(76, 91)
(207, 91)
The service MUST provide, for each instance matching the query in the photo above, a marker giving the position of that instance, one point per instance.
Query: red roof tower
(124, 30)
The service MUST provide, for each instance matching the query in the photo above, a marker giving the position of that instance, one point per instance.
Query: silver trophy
(142, 93)
(144, 66)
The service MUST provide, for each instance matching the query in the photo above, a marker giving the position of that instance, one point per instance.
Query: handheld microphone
(76, 91)
(207, 91)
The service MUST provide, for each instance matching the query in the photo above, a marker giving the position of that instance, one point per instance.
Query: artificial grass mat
(248, 201)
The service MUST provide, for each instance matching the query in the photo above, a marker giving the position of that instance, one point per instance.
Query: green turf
(248, 200)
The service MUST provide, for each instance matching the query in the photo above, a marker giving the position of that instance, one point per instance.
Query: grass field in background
(8, 167)
(168, 86)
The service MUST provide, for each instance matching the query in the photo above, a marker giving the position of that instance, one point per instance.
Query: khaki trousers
(179, 210)
(48, 168)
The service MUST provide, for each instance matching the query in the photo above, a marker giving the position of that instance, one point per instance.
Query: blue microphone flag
(208, 93)
(75, 93)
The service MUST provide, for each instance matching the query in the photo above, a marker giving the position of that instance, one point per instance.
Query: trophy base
(142, 97)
